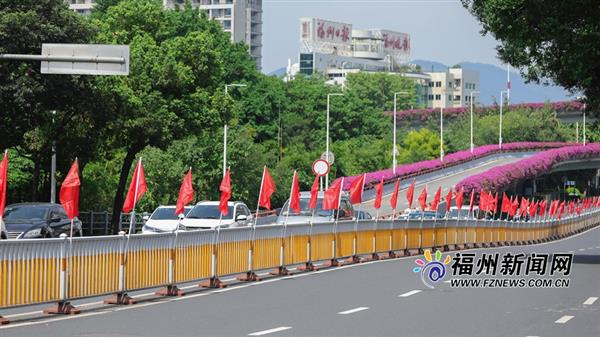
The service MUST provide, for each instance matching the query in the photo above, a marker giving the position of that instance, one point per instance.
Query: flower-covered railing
(500, 177)
(423, 167)
(425, 114)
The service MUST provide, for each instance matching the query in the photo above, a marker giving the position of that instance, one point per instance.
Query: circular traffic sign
(320, 167)
(329, 157)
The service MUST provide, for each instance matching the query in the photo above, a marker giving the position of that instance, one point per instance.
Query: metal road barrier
(63, 269)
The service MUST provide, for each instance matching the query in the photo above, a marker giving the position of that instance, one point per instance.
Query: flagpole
(260, 195)
(334, 262)
(282, 270)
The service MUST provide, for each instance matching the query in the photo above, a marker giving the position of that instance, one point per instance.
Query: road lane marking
(447, 281)
(266, 332)
(581, 249)
(571, 251)
(590, 301)
(351, 311)
(410, 293)
(564, 319)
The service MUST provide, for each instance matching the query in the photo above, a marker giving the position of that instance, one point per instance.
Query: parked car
(206, 215)
(3, 234)
(38, 220)
(162, 220)
(346, 211)
(464, 213)
(362, 215)
(415, 214)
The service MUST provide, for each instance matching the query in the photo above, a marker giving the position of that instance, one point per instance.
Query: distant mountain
(278, 72)
(492, 80)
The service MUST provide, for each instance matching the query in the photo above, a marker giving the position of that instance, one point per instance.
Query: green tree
(419, 145)
(547, 39)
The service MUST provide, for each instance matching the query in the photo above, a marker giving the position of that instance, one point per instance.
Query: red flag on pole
(553, 208)
(523, 207)
(458, 199)
(495, 204)
(423, 198)
(331, 196)
(472, 201)
(483, 201)
(448, 200)
(410, 193)
(514, 206)
(378, 194)
(314, 193)
(69, 192)
(295, 194)
(225, 189)
(3, 182)
(505, 204)
(561, 210)
(394, 198)
(137, 188)
(356, 190)
(267, 188)
(186, 193)
(436, 199)
(533, 209)
(542, 211)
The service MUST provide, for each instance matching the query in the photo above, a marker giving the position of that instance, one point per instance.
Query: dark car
(38, 220)
(362, 215)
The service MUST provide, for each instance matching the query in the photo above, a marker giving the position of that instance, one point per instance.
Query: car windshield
(25, 212)
(304, 210)
(209, 212)
(166, 213)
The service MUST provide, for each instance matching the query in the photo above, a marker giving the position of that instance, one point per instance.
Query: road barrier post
(308, 265)
(354, 258)
(213, 281)
(250, 275)
(121, 296)
(281, 269)
(63, 306)
(333, 262)
(171, 289)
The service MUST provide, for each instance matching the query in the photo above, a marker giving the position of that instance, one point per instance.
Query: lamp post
(444, 93)
(53, 166)
(225, 128)
(327, 137)
(500, 132)
(394, 150)
(584, 140)
(472, 144)
(344, 74)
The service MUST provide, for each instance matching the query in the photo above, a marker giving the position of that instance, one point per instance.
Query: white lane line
(590, 301)
(563, 319)
(351, 311)
(571, 251)
(598, 247)
(447, 281)
(533, 336)
(410, 293)
(266, 332)
(581, 249)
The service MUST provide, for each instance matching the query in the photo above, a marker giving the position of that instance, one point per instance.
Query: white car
(206, 215)
(163, 220)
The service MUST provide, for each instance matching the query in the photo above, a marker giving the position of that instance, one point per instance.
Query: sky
(441, 30)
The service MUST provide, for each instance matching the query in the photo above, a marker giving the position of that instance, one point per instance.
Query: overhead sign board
(84, 59)
(324, 36)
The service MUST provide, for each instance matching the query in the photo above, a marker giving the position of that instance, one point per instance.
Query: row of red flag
(488, 202)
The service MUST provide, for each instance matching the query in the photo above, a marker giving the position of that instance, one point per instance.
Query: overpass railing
(64, 269)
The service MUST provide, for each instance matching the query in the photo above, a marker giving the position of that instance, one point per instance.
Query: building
(241, 18)
(451, 88)
(335, 49)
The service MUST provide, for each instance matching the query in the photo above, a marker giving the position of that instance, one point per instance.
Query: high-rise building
(452, 88)
(241, 18)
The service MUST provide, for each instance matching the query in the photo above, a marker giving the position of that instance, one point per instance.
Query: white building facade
(451, 88)
(241, 18)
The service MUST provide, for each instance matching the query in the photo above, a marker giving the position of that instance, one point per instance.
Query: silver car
(346, 211)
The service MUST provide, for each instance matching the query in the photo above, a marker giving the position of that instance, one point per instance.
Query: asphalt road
(446, 178)
(384, 298)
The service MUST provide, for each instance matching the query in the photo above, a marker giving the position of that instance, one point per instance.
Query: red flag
(423, 198)
(295, 194)
(553, 208)
(448, 200)
(495, 204)
(514, 206)
(225, 189)
(356, 190)
(410, 193)
(458, 199)
(472, 201)
(505, 204)
(186, 194)
(267, 188)
(314, 193)
(483, 201)
(378, 194)
(69, 192)
(3, 182)
(331, 197)
(436, 199)
(137, 188)
(523, 207)
(533, 209)
(561, 210)
(394, 198)
(542, 211)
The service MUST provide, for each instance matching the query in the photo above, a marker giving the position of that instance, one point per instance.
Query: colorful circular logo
(433, 271)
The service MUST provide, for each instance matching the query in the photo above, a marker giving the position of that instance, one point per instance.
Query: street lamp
(327, 138)
(344, 74)
(584, 140)
(472, 145)
(500, 133)
(444, 93)
(53, 166)
(394, 150)
(225, 128)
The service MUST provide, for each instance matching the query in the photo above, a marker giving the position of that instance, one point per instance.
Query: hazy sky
(441, 30)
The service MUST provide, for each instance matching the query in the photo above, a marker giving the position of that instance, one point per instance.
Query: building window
(306, 64)
(467, 98)
(438, 84)
(430, 84)
(431, 97)
(438, 97)
(457, 98)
